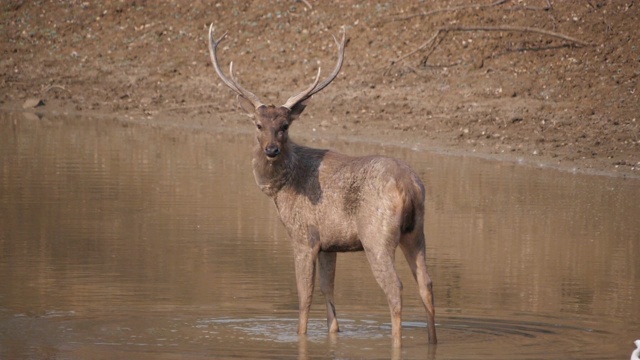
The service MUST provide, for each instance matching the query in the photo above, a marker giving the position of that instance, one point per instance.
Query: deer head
(272, 122)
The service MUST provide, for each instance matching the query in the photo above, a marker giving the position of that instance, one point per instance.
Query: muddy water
(127, 241)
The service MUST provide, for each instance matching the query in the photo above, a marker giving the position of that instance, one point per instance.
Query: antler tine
(317, 88)
(336, 70)
(304, 94)
(231, 83)
(247, 94)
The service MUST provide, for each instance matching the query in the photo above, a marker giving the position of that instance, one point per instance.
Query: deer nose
(272, 151)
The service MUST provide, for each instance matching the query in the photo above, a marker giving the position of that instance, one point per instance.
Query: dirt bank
(566, 97)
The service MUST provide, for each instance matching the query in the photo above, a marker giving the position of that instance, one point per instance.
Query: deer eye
(259, 126)
(285, 127)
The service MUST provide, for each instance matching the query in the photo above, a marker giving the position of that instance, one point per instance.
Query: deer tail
(413, 207)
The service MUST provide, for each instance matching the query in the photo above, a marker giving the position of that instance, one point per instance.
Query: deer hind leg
(413, 247)
(327, 264)
(381, 260)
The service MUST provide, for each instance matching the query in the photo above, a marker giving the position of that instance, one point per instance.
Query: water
(120, 240)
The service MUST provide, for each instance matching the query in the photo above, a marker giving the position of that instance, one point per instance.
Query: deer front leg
(327, 263)
(305, 262)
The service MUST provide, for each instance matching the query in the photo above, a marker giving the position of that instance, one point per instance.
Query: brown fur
(330, 202)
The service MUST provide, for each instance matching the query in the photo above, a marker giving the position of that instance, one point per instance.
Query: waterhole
(120, 240)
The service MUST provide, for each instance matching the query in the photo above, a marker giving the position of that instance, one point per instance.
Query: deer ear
(297, 109)
(247, 106)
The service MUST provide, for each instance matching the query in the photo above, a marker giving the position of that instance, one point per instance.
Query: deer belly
(340, 242)
(342, 247)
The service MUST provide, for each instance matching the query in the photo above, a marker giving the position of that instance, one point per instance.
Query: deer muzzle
(272, 150)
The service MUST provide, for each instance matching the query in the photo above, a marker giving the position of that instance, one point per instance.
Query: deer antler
(315, 88)
(232, 82)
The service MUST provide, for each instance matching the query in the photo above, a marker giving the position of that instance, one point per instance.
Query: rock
(32, 103)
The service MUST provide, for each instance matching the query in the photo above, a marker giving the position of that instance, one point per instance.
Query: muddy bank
(556, 86)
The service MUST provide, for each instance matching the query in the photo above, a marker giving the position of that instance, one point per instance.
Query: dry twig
(448, 29)
(51, 87)
(451, 9)
(516, 29)
(306, 3)
(475, 7)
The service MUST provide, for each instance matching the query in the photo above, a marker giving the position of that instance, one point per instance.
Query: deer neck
(272, 175)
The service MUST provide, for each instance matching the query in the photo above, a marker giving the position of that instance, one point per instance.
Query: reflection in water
(120, 240)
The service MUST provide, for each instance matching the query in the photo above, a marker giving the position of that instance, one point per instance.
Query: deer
(330, 202)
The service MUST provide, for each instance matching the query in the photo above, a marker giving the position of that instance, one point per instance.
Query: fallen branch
(548, 7)
(451, 9)
(475, 7)
(421, 47)
(448, 29)
(516, 29)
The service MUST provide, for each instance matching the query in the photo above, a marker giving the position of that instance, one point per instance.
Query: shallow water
(120, 240)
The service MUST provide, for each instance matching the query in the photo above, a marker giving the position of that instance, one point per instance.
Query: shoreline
(308, 133)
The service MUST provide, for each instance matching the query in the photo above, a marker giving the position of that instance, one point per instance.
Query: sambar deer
(330, 203)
